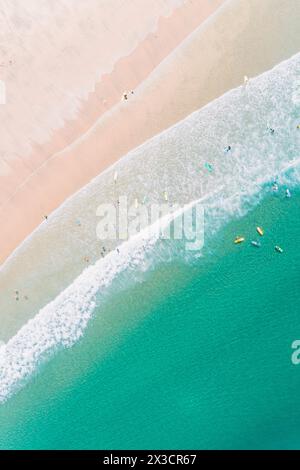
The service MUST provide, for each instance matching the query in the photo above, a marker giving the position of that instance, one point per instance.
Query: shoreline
(56, 251)
(159, 102)
(44, 264)
(128, 73)
(63, 321)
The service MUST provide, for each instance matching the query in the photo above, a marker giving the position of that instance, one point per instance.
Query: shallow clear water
(52, 257)
(194, 356)
(164, 349)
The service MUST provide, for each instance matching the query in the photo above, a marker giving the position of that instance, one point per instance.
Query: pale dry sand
(212, 60)
(37, 171)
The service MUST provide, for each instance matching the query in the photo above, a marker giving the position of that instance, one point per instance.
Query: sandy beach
(149, 204)
(170, 83)
(191, 76)
(39, 168)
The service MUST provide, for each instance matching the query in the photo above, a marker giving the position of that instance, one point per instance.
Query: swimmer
(275, 186)
(271, 130)
(288, 193)
(227, 149)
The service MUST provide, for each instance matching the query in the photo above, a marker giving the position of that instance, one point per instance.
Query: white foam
(240, 119)
(62, 322)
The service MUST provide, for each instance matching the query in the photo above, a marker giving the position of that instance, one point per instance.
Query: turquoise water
(174, 159)
(195, 356)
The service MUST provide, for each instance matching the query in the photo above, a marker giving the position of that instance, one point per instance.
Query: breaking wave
(238, 180)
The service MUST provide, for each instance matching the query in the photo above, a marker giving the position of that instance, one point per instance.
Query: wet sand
(37, 178)
(212, 60)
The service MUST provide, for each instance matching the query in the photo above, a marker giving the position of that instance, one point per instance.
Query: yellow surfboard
(260, 231)
(239, 240)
